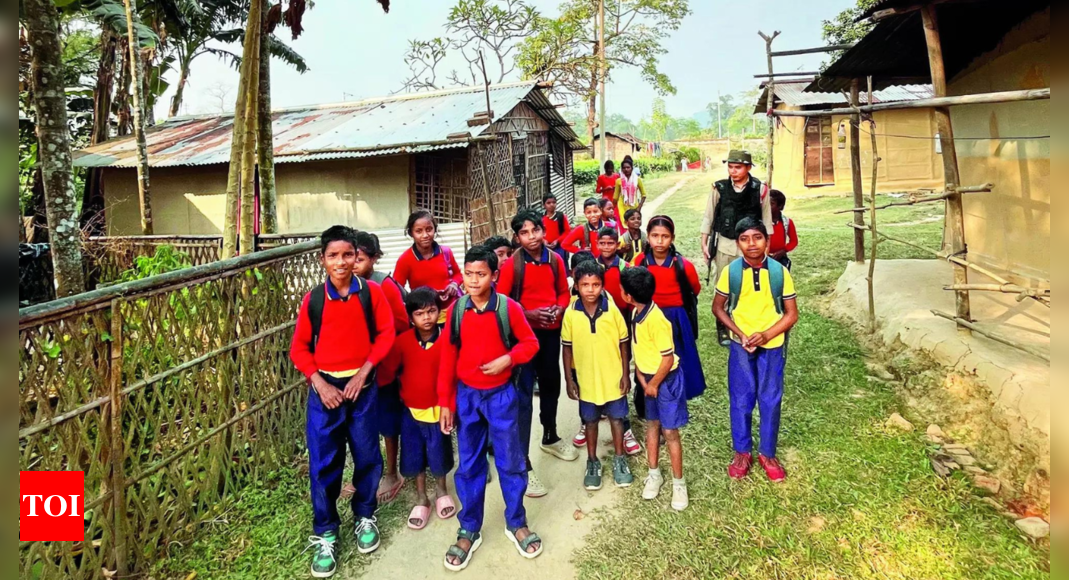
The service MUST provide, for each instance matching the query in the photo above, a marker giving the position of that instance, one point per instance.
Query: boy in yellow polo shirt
(756, 301)
(661, 381)
(596, 343)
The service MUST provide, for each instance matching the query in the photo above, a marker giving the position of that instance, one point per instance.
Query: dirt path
(651, 207)
(420, 554)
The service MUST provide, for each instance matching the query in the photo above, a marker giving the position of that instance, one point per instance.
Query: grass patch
(859, 502)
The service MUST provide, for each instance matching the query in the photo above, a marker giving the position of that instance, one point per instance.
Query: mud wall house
(618, 146)
(365, 164)
(988, 46)
(814, 152)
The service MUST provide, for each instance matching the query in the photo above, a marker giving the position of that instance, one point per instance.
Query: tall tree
(54, 150)
(265, 147)
(846, 27)
(564, 50)
(137, 94)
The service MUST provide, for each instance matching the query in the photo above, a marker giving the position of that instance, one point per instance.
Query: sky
(354, 51)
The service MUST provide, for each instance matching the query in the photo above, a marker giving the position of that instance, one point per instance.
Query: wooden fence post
(117, 448)
(954, 228)
(855, 170)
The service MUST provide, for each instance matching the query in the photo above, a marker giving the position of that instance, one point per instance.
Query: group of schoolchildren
(439, 348)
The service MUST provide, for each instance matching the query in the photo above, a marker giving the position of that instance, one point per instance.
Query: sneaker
(592, 481)
(773, 469)
(535, 487)
(323, 563)
(680, 497)
(652, 486)
(367, 535)
(561, 450)
(631, 445)
(621, 472)
(580, 438)
(740, 466)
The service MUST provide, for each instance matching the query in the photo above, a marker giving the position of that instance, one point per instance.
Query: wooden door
(819, 151)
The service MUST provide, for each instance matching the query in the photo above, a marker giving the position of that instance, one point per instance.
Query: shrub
(587, 170)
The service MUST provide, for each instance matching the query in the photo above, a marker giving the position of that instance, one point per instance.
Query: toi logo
(51, 506)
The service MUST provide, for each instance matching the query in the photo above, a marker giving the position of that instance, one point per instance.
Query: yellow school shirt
(653, 340)
(595, 343)
(756, 311)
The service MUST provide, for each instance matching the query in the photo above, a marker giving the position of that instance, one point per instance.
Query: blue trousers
(483, 415)
(755, 380)
(353, 424)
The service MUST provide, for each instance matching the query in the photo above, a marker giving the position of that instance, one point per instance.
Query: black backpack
(317, 299)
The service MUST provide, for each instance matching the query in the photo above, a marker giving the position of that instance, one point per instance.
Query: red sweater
(668, 293)
(344, 342)
(397, 306)
(783, 238)
(606, 186)
(539, 290)
(552, 227)
(479, 337)
(418, 369)
(415, 271)
(612, 281)
(573, 241)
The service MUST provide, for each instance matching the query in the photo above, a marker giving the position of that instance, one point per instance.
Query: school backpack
(382, 278)
(519, 270)
(690, 299)
(775, 280)
(501, 314)
(317, 299)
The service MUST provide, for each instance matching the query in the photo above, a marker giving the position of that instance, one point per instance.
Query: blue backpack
(775, 279)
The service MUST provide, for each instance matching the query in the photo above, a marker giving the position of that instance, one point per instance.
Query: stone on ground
(987, 484)
(897, 421)
(880, 371)
(1034, 528)
(936, 434)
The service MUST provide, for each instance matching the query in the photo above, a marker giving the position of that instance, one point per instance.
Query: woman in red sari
(606, 186)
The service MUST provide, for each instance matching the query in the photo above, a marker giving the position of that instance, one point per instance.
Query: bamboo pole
(604, 70)
(1021, 292)
(855, 170)
(137, 74)
(265, 144)
(961, 322)
(116, 446)
(925, 198)
(872, 220)
(818, 49)
(770, 141)
(954, 229)
(978, 99)
(247, 243)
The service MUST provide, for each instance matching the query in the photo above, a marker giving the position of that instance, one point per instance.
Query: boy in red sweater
(543, 293)
(477, 394)
(344, 330)
(556, 226)
(585, 237)
(414, 360)
(784, 238)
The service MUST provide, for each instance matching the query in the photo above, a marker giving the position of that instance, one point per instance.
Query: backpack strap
(317, 298)
(775, 279)
(447, 255)
(735, 270)
(459, 308)
(519, 272)
(504, 327)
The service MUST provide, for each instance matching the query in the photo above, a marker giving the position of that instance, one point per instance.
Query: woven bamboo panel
(206, 401)
(537, 169)
(441, 185)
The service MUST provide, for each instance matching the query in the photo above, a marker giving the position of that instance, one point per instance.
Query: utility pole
(719, 123)
(601, 81)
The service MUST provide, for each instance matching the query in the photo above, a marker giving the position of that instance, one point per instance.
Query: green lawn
(860, 501)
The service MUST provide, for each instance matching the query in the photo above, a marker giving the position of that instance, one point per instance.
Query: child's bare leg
(653, 443)
(421, 490)
(592, 440)
(617, 436)
(441, 486)
(675, 451)
(390, 477)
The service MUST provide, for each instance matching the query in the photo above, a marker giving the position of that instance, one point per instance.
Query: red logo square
(51, 506)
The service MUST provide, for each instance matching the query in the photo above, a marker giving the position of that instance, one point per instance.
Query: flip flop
(420, 513)
(443, 503)
(391, 494)
(521, 546)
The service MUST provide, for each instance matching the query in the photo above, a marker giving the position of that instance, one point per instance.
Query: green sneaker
(592, 481)
(367, 535)
(621, 472)
(323, 563)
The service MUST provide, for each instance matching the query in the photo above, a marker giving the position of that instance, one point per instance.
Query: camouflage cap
(739, 156)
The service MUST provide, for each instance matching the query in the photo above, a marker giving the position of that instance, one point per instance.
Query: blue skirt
(690, 364)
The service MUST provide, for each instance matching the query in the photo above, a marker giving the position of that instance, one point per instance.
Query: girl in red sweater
(676, 295)
(427, 263)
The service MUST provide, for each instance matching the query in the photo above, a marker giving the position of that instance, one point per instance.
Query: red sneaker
(740, 466)
(773, 469)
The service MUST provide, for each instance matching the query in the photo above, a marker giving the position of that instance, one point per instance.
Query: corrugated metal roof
(895, 52)
(379, 126)
(795, 94)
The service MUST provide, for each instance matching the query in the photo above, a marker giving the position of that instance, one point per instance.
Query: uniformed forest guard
(740, 196)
